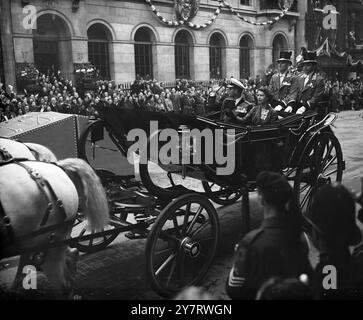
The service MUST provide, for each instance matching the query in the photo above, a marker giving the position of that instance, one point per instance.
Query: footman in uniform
(311, 86)
(283, 84)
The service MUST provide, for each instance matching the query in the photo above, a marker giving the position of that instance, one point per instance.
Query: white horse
(71, 185)
(30, 151)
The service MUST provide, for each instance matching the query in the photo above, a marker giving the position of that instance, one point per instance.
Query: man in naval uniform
(237, 104)
(283, 84)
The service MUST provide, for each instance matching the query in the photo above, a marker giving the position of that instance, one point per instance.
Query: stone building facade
(125, 39)
(346, 39)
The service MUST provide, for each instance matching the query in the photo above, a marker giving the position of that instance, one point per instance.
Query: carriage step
(137, 234)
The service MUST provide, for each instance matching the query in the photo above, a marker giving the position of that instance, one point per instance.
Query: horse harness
(7, 235)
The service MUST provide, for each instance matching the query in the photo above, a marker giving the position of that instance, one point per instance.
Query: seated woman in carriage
(261, 114)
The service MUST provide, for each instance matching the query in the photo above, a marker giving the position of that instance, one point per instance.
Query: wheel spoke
(156, 253)
(329, 163)
(165, 263)
(200, 209)
(176, 226)
(172, 269)
(186, 217)
(306, 197)
(328, 153)
(304, 188)
(330, 173)
(195, 232)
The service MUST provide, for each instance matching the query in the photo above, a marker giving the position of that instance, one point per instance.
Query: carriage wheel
(182, 244)
(93, 244)
(97, 148)
(321, 164)
(221, 195)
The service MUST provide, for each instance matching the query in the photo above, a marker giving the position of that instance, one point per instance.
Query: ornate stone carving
(186, 9)
(285, 4)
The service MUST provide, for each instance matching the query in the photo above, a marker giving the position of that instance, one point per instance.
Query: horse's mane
(123, 119)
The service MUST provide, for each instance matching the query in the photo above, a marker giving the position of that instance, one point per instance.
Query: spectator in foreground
(193, 293)
(285, 289)
(273, 250)
(332, 218)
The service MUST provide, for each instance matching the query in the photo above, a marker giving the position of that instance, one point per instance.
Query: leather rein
(7, 235)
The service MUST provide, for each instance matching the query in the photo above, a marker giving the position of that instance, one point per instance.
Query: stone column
(300, 39)
(124, 61)
(262, 57)
(7, 43)
(201, 63)
(165, 55)
(232, 62)
(23, 48)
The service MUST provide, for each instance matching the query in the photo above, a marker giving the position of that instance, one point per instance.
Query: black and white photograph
(165, 151)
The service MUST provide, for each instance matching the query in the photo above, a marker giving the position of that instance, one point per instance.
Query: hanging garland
(269, 22)
(222, 3)
(192, 25)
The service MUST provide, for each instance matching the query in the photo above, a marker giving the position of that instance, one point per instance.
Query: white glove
(301, 110)
(278, 108)
(288, 109)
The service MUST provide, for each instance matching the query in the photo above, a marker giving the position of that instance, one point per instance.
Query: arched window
(279, 44)
(51, 44)
(245, 60)
(99, 39)
(216, 56)
(183, 47)
(144, 52)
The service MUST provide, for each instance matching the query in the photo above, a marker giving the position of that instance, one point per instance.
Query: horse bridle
(8, 237)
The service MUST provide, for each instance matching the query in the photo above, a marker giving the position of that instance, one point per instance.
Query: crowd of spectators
(345, 95)
(58, 94)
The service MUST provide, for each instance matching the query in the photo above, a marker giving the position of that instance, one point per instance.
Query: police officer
(273, 250)
(332, 218)
(238, 104)
(310, 84)
(283, 84)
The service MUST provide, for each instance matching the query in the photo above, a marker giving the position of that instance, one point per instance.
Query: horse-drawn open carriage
(180, 223)
(172, 207)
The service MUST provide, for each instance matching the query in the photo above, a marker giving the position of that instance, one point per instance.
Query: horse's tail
(41, 153)
(93, 200)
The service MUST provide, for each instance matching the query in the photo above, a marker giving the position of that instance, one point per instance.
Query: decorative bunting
(172, 23)
(222, 3)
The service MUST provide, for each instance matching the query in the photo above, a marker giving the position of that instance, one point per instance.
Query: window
(279, 44)
(245, 57)
(245, 2)
(183, 47)
(216, 56)
(359, 30)
(143, 53)
(98, 48)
